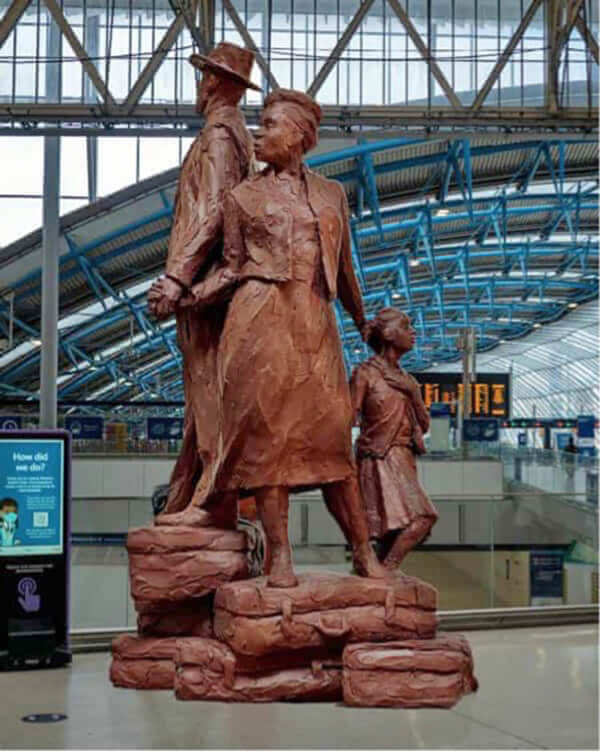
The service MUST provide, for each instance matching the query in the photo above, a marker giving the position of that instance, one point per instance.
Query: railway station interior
(464, 134)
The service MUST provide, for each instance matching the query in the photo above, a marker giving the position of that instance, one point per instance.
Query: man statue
(218, 160)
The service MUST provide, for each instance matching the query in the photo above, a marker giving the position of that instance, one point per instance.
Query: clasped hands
(166, 296)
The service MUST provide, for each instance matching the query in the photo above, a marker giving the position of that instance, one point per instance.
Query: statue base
(213, 634)
(143, 662)
(178, 564)
(208, 670)
(411, 674)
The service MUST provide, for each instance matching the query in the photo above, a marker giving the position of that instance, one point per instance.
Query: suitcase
(173, 564)
(145, 663)
(412, 673)
(208, 670)
(323, 610)
(188, 618)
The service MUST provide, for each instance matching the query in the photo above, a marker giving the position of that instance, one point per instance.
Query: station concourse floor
(538, 689)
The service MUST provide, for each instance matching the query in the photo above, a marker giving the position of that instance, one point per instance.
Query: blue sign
(11, 422)
(522, 438)
(165, 428)
(562, 440)
(586, 445)
(31, 497)
(546, 574)
(86, 428)
(586, 425)
(35, 492)
(439, 409)
(481, 429)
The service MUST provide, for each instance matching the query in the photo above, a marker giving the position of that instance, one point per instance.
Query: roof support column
(50, 246)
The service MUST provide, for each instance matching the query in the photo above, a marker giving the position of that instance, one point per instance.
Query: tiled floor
(538, 689)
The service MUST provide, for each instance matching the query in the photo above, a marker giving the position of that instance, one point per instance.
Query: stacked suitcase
(211, 633)
(174, 572)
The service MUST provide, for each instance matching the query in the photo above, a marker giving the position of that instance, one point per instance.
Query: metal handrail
(100, 639)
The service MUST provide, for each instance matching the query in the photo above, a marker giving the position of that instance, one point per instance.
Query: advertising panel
(34, 548)
(11, 422)
(83, 427)
(586, 425)
(31, 497)
(546, 577)
(165, 428)
(481, 429)
(439, 409)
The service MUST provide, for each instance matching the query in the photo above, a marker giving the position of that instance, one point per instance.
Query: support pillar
(50, 245)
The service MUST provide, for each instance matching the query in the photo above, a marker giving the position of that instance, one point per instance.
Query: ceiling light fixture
(442, 212)
(573, 305)
(537, 325)
(414, 262)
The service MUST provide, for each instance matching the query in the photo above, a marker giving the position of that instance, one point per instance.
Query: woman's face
(278, 138)
(403, 336)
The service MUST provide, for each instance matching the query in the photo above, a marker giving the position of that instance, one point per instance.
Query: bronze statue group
(255, 261)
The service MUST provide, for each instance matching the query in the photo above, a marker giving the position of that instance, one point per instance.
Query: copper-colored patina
(392, 417)
(255, 263)
(285, 411)
(218, 160)
(410, 673)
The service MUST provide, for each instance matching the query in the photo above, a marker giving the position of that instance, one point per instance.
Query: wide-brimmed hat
(230, 61)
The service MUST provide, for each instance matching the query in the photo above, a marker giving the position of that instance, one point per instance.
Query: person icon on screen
(9, 515)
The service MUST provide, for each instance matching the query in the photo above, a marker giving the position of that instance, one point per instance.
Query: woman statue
(286, 414)
(392, 417)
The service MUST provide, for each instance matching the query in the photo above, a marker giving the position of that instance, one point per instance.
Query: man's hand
(163, 297)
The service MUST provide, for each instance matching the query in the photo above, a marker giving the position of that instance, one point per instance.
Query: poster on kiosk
(34, 548)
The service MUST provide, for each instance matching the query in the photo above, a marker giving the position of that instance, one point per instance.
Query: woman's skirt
(286, 412)
(392, 495)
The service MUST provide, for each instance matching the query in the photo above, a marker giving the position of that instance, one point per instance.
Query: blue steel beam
(464, 257)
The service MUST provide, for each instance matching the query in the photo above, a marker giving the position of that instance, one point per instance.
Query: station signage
(481, 429)
(165, 428)
(586, 425)
(34, 547)
(10, 422)
(546, 577)
(84, 427)
(490, 394)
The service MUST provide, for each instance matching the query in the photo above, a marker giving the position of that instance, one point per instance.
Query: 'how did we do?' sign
(31, 497)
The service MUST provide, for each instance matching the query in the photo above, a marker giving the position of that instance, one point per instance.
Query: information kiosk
(35, 492)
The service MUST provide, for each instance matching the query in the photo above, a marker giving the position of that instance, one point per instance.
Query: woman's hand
(163, 297)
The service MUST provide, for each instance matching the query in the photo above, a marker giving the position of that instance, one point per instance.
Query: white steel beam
(188, 8)
(78, 49)
(588, 37)
(425, 52)
(339, 48)
(504, 57)
(153, 65)
(341, 117)
(11, 18)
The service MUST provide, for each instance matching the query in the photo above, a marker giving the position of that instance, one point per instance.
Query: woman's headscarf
(303, 110)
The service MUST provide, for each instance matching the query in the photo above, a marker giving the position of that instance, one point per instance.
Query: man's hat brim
(202, 62)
